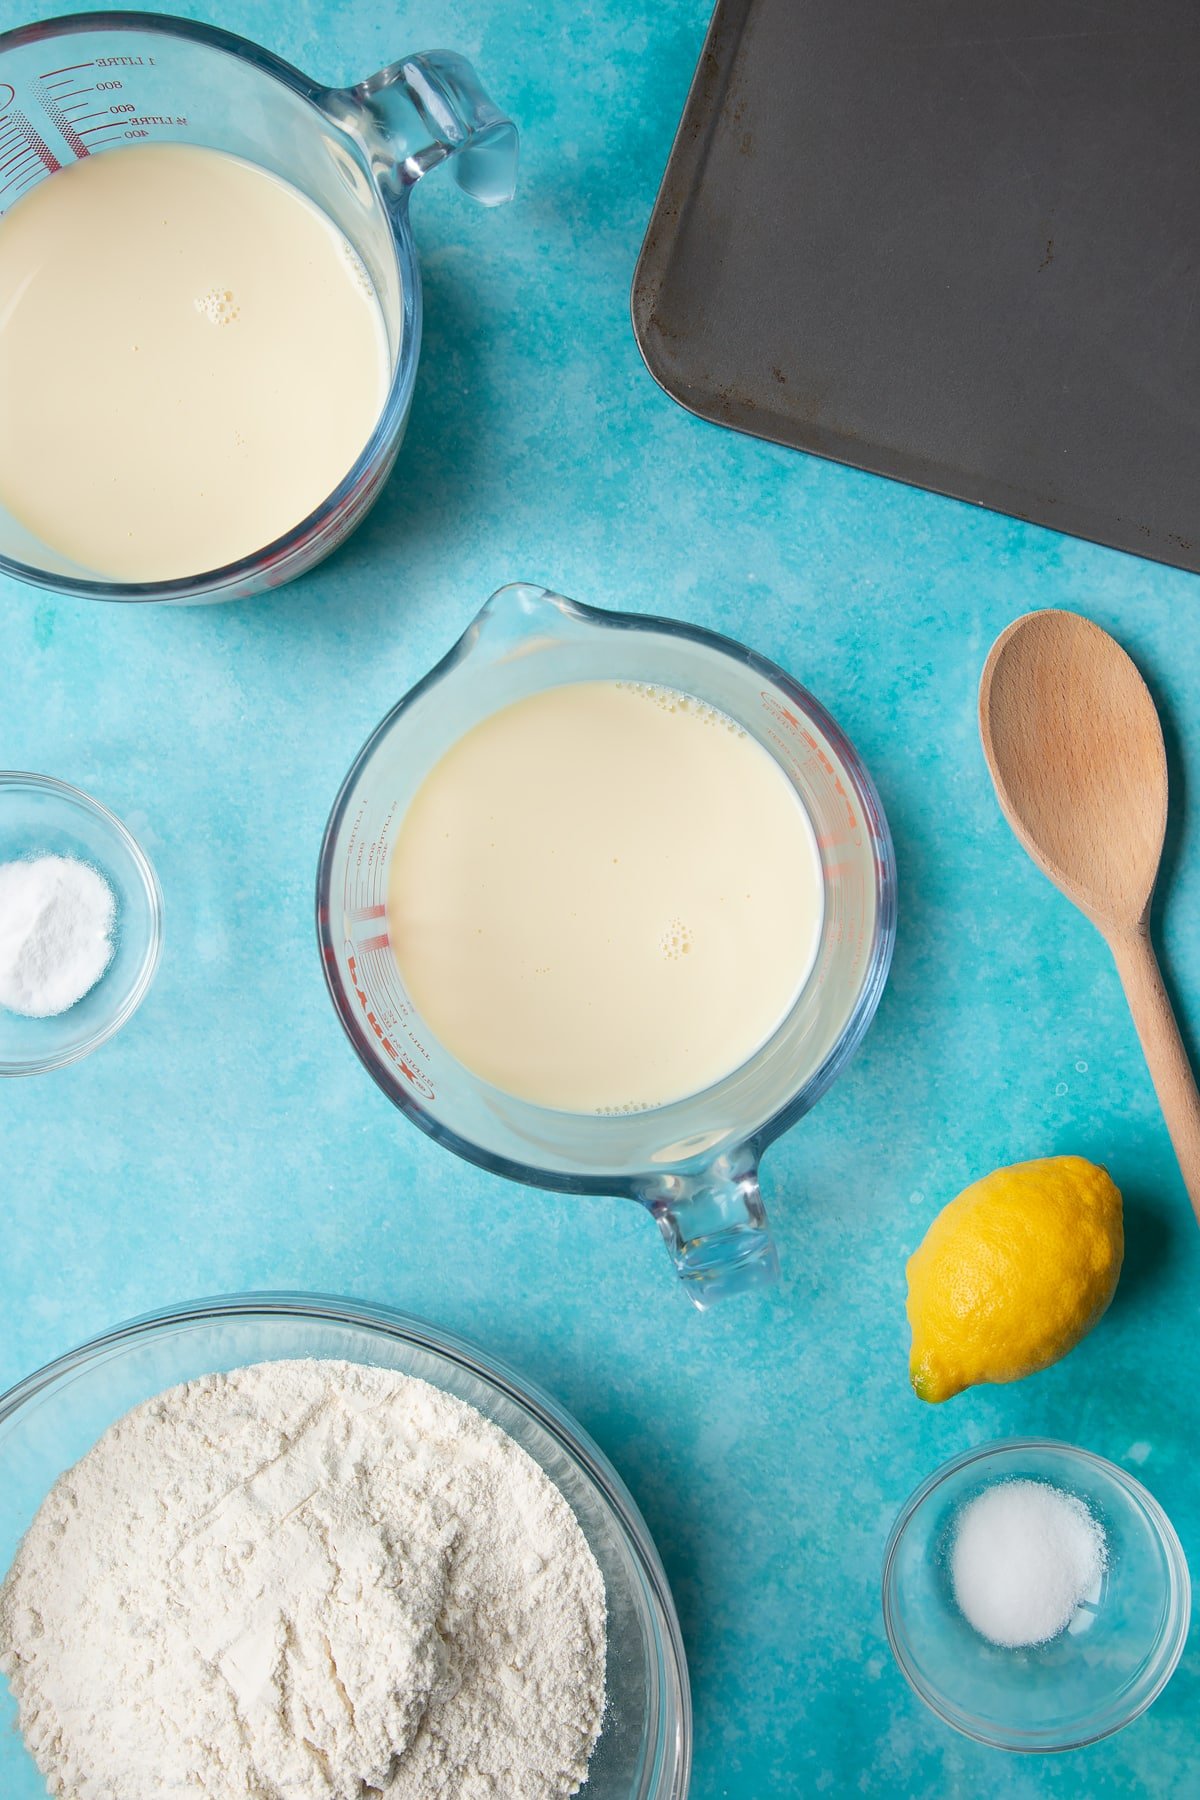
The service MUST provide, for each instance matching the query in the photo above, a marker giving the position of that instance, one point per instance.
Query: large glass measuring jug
(92, 83)
(693, 1163)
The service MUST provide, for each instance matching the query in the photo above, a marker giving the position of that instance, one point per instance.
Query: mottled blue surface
(228, 1139)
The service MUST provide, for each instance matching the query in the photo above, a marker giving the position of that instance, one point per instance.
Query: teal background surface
(228, 1138)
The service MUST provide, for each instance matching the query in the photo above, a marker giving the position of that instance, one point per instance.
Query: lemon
(1012, 1274)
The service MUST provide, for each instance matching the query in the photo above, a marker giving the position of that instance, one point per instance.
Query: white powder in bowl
(1025, 1556)
(56, 920)
(306, 1581)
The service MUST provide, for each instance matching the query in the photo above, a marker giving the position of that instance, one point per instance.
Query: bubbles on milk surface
(218, 306)
(674, 700)
(676, 940)
(358, 270)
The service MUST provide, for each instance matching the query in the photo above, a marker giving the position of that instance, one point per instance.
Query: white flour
(306, 1581)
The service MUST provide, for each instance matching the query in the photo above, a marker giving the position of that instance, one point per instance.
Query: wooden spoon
(1075, 749)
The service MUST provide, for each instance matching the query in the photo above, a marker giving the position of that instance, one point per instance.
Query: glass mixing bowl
(43, 817)
(48, 1421)
(1113, 1659)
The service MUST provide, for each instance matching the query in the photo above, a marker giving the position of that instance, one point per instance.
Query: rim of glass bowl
(18, 778)
(246, 569)
(878, 960)
(1174, 1633)
(671, 1772)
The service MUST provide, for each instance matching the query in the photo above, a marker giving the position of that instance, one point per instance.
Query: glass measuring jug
(694, 1162)
(91, 83)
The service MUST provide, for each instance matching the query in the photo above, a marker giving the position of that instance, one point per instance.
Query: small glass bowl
(54, 1417)
(43, 817)
(1113, 1659)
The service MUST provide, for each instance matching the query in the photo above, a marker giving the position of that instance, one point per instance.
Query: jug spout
(427, 109)
(715, 1227)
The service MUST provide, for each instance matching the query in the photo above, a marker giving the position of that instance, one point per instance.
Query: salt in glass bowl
(43, 817)
(1114, 1658)
(52, 1418)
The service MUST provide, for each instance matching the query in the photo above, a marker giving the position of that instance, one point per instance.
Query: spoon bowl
(1075, 748)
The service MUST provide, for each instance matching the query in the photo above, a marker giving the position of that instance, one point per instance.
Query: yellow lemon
(1012, 1274)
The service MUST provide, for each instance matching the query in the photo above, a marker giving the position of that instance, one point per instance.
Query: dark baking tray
(953, 243)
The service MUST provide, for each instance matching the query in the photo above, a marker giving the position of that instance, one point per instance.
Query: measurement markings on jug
(64, 125)
(24, 156)
(65, 95)
(354, 852)
(398, 999)
(851, 833)
(782, 714)
(386, 1025)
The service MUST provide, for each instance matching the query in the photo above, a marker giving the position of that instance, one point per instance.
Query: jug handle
(715, 1227)
(427, 109)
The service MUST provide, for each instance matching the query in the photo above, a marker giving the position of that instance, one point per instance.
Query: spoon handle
(1163, 1049)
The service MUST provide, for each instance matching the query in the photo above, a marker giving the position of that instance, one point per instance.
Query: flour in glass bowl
(306, 1580)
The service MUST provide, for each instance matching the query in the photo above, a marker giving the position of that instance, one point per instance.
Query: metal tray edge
(696, 125)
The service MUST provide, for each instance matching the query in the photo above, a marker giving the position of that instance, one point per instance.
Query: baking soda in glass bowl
(56, 921)
(1035, 1596)
(1026, 1557)
(80, 924)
